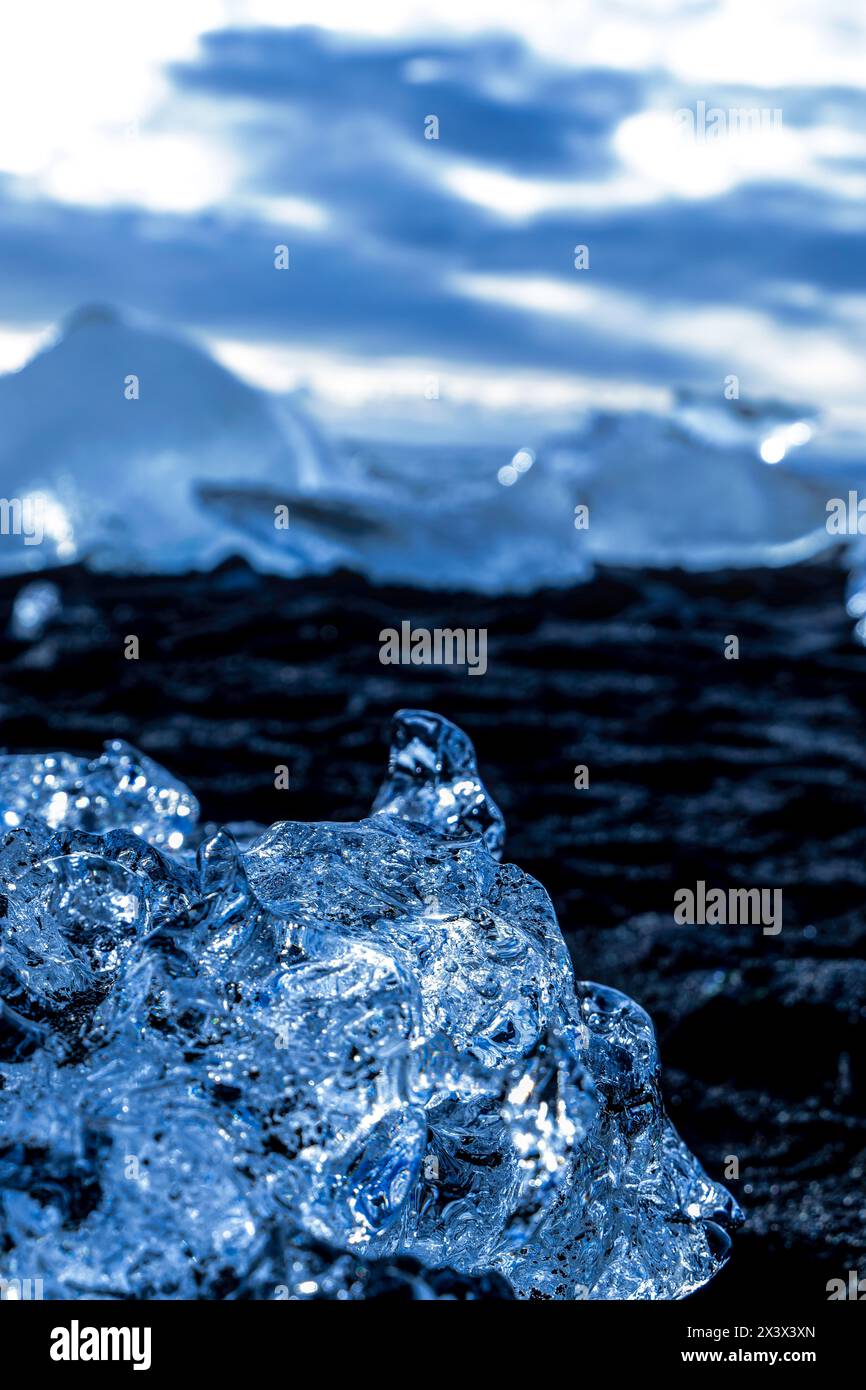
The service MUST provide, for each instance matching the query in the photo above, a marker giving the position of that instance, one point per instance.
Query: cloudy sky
(153, 155)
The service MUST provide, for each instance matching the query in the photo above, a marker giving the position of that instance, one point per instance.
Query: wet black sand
(744, 773)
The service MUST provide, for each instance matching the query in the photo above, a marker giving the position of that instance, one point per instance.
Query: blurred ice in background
(433, 385)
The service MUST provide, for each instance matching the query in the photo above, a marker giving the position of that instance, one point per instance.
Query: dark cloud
(494, 101)
(341, 123)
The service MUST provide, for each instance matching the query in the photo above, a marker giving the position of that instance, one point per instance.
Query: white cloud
(767, 43)
(18, 345)
(343, 384)
(769, 356)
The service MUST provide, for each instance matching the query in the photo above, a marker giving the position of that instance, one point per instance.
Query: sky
(153, 156)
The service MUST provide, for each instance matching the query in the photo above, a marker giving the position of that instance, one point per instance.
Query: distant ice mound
(688, 488)
(132, 450)
(108, 437)
(692, 488)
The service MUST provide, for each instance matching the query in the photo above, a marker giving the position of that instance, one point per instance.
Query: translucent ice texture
(433, 778)
(350, 1059)
(122, 788)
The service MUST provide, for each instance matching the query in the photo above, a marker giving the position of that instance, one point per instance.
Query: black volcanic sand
(741, 773)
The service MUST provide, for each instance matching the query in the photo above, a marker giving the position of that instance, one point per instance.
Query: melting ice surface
(351, 1055)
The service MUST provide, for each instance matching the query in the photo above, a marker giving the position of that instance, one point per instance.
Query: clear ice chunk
(67, 923)
(349, 1059)
(640, 1218)
(504, 1095)
(122, 788)
(433, 778)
